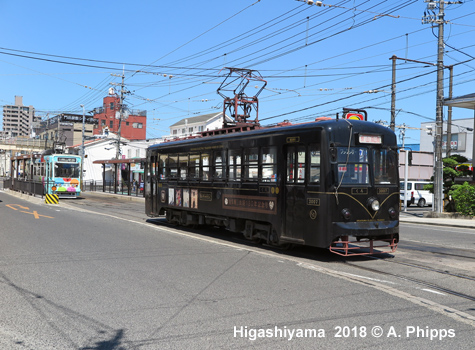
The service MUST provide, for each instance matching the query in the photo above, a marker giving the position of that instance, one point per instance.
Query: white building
(194, 125)
(461, 139)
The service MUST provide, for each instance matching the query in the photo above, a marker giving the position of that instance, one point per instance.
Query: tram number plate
(293, 139)
(206, 196)
(313, 201)
(383, 190)
(359, 191)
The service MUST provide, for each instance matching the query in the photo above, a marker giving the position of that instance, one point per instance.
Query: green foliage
(464, 197)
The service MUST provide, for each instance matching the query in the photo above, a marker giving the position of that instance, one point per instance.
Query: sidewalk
(412, 218)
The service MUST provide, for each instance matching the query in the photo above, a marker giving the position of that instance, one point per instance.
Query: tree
(453, 167)
(464, 198)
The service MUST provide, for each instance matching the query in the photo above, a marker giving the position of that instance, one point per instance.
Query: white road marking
(433, 291)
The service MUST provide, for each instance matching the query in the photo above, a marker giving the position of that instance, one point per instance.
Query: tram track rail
(427, 268)
(418, 281)
(305, 255)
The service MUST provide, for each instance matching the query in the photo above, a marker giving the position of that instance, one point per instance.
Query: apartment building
(18, 119)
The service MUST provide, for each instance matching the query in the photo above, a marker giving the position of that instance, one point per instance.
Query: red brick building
(134, 122)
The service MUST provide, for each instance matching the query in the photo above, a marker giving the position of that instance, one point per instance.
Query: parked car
(416, 193)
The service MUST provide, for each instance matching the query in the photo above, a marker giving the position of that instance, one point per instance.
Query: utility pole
(81, 177)
(448, 148)
(121, 111)
(439, 114)
(438, 175)
(393, 95)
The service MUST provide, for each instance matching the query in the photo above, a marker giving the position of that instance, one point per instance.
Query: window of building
(112, 105)
(190, 130)
(174, 132)
(111, 124)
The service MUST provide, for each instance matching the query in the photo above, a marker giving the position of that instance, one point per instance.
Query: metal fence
(125, 188)
(34, 188)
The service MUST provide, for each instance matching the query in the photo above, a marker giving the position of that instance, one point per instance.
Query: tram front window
(353, 167)
(66, 170)
(385, 166)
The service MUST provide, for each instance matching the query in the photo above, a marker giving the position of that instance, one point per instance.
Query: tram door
(154, 184)
(295, 218)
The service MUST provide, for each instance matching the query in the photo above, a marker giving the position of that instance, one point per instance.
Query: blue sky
(316, 60)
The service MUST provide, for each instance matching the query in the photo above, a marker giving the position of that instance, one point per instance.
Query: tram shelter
(23, 174)
(123, 170)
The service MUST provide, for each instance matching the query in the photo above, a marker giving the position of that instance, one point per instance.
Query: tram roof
(332, 124)
(39, 155)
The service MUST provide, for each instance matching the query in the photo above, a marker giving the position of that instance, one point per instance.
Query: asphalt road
(97, 274)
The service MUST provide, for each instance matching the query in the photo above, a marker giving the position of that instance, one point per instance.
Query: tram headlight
(392, 213)
(346, 214)
(373, 203)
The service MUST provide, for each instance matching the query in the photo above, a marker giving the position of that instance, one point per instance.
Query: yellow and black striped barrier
(51, 199)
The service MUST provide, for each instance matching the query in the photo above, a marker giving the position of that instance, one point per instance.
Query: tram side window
(219, 165)
(314, 163)
(183, 166)
(301, 164)
(296, 164)
(269, 164)
(234, 165)
(251, 164)
(205, 162)
(194, 166)
(290, 164)
(152, 160)
(162, 167)
(172, 166)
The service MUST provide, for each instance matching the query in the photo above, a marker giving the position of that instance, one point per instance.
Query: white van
(416, 193)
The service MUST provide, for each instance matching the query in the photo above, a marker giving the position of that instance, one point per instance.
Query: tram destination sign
(373, 139)
(67, 160)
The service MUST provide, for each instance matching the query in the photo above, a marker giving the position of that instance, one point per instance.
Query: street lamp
(82, 147)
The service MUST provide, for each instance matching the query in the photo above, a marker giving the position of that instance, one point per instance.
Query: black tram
(329, 184)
